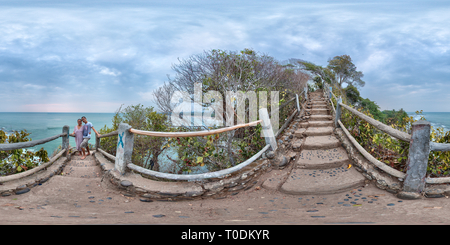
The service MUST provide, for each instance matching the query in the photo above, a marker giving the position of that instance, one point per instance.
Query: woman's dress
(78, 137)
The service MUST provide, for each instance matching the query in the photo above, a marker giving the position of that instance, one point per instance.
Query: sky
(93, 56)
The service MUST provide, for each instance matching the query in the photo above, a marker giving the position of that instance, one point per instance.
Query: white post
(124, 150)
(267, 129)
(298, 104)
(419, 150)
(338, 113)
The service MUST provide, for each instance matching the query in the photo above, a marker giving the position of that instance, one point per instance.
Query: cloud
(118, 52)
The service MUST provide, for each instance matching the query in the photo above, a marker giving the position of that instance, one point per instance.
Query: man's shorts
(84, 143)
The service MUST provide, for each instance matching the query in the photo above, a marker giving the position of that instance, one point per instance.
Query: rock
(145, 199)
(5, 194)
(284, 162)
(270, 154)
(126, 183)
(434, 193)
(408, 195)
(25, 190)
(193, 193)
(159, 215)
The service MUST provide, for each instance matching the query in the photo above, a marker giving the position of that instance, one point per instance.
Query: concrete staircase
(321, 165)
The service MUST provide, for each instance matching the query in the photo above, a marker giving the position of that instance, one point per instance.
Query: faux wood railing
(126, 137)
(419, 150)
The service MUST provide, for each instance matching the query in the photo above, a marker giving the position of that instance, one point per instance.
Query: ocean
(436, 119)
(41, 125)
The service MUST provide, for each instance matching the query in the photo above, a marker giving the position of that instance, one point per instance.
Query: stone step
(312, 102)
(324, 106)
(320, 117)
(317, 131)
(321, 181)
(321, 142)
(319, 124)
(322, 159)
(89, 172)
(318, 111)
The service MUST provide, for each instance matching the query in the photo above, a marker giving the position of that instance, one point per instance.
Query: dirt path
(91, 201)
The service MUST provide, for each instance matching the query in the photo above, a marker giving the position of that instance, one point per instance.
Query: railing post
(419, 150)
(298, 104)
(65, 141)
(267, 129)
(97, 142)
(306, 92)
(338, 113)
(331, 89)
(124, 150)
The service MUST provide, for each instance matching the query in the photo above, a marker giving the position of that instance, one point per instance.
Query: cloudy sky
(79, 56)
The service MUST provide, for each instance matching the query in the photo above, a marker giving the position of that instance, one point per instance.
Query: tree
(345, 71)
(339, 70)
(224, 71)
(352, 94)
(373, 108)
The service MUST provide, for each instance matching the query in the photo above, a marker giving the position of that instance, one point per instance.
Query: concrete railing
(20, 145)
(126, 134)
(419, 150)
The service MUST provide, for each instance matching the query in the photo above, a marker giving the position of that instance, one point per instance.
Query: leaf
(199, 159)
(19, 169)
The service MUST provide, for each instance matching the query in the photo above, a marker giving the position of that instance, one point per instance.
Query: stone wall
(23, 185)
(134, 184)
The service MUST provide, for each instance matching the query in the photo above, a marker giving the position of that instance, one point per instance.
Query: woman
(78, 133)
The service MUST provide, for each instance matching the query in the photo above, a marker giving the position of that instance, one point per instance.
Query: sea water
(436, 119)
(41, 125)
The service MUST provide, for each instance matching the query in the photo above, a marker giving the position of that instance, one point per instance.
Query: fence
(125, 146)
(420, 148)
(14, 146)
(126, 134)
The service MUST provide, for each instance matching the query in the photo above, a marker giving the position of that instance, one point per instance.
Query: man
(86, 136)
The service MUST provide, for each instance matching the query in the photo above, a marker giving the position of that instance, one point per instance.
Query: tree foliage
(223, 71)
(146, 149)
(339, 70)
(15, 161)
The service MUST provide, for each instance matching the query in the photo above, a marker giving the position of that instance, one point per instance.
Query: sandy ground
(63, 200)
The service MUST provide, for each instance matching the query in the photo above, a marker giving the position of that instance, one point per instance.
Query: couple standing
(82, 135)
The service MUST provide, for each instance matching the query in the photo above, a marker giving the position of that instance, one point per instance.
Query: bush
(19, 160)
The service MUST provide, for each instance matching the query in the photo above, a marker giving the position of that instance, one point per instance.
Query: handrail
(289, 119)
(126, 133)
(369, 157)
(281, 107)
(192, 134)
(379, 125)
(434, 146)
(109, 134)
(215, 174)
(19, 145)
(33, 170)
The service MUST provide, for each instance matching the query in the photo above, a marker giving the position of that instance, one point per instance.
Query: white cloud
(110, 72)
